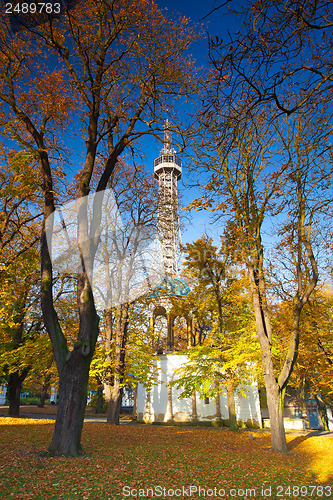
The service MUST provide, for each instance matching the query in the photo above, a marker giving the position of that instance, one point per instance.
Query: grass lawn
(161, 462)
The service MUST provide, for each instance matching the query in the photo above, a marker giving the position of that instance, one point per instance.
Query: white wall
(3, 390)
(246, 398)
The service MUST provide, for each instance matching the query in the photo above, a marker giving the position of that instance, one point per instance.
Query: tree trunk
(305, 409)
(99, 406)
(275, 398)
(231, 408)
(194, 406)
(114, 405)
(14, 391)
(43, 395)
(148, 404)
(73, 377)
(274, 395)
(135, 405)
(323, 419)
(45, 388)
(218, 416)
(73, 386)
(13, 394)
(107, 374)
(169, 409)
(275, 409)
(16, 379)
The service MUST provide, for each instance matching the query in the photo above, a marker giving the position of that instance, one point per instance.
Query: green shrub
(30, 401)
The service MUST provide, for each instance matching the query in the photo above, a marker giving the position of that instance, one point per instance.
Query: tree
(19, 210)
(281, 53)
(118, 67)
(20, 325)
(43, 374)
(312, 375)
(136, 196)
(122, 250)
(252, 178)
(220, 361)
(136, 354)
(19, 235)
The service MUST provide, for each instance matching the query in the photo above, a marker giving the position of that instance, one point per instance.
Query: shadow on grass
(297, 441)
(300, 439)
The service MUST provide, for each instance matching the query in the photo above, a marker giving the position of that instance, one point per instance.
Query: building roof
(170, 286)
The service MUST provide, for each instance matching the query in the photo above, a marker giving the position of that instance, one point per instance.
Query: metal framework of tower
(168, 170)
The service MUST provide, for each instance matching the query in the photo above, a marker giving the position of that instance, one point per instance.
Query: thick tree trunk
(14, 389)
(218, 415)
(275, 399)
(275, 409)
(73, 377)
(231, 408)
(114, 405)
(73, 386)
(323, 419)
(43, 395)
(13, 394)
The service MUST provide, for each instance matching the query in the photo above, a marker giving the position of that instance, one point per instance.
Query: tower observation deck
(167, 170)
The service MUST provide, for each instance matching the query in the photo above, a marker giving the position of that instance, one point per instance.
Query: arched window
(180, 333)
(160, 333)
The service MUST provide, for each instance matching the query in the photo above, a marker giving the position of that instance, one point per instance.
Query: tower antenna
(167, 149)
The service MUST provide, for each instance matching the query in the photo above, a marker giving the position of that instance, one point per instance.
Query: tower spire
(168, 169)
(167, 148)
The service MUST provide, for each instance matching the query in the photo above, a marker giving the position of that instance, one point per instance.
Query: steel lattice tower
(168, 169)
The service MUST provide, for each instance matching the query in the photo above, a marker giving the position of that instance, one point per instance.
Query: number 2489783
(33, 8)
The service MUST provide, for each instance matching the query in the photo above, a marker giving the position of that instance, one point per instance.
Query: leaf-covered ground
(161, 462)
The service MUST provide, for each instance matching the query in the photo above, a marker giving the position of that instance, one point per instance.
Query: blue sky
(218, 23)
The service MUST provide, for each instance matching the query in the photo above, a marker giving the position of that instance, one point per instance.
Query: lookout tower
(172, 331)
(168, 170)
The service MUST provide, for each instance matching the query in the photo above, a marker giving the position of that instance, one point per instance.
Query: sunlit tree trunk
(231, 407)
(218, 408)
(114, 403)
(194, 405)
(274, 395)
